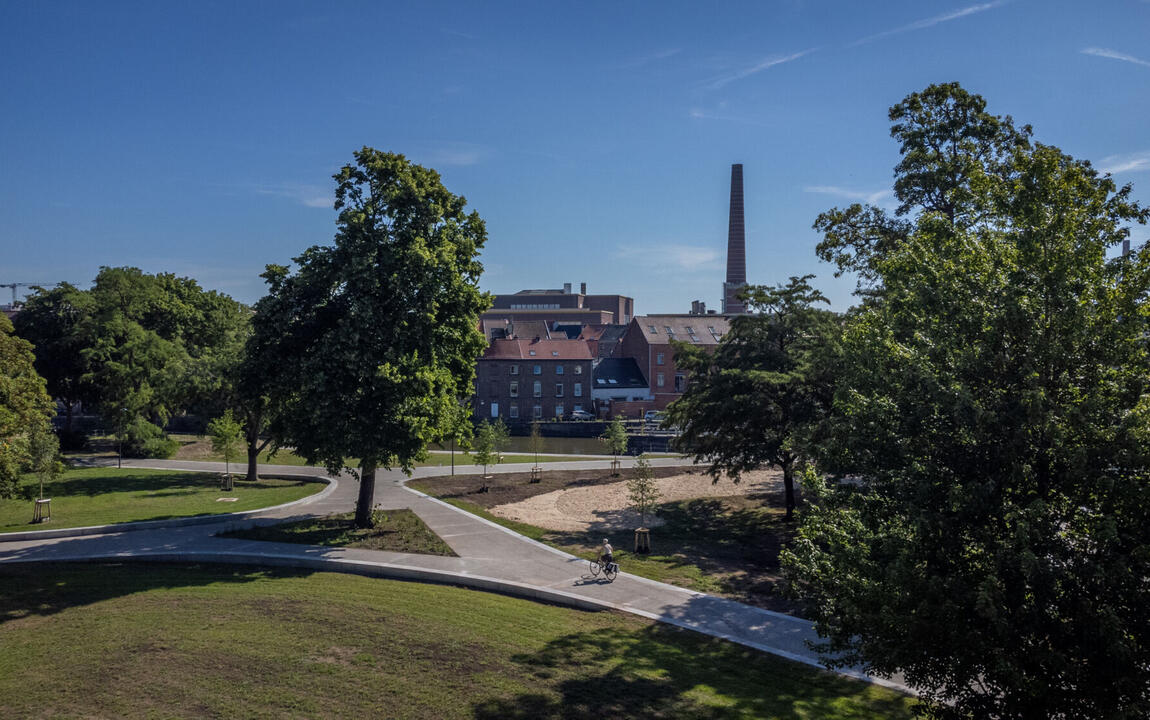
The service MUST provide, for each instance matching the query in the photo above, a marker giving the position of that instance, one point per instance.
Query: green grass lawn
(138, 641)
(101, 496)
(395, 530)
(726, 546)
(200, 449)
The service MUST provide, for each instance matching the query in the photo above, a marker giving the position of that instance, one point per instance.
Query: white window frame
(537, 390)
(577, 391)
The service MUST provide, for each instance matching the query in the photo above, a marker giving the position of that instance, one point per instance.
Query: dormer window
(669, 329)
(531, 352)
(554, 353)
(654, 330)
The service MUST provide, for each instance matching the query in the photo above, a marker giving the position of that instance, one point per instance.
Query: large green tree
(756, 398)
(57, 323)
(375, 336)
(992, 540)
(25, 407)
(157, 345)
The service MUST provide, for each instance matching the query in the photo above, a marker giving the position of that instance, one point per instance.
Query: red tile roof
(528, 349)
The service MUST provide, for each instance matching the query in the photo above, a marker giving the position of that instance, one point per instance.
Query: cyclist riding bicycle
(606, 553)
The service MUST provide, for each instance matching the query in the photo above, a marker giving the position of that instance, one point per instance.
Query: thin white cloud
(457, 156)
(1115, 55)
(672, 258)
(758, 67)
(458, 34)
(870, 198)
(701, 114)
(929, 22)
(313, 196)
(1133, 162)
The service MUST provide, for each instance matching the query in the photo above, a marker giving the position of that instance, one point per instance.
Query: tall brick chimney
(736, 247)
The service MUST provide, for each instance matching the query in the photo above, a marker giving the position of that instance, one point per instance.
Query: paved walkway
(490, 557)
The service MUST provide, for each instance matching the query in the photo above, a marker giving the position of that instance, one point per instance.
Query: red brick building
(648, 341)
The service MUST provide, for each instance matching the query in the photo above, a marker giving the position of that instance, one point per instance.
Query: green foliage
(25, 407)
(57, 323)
(767, 385)
(150, 345)
(44, 455)
(994, 542)
(500, 438)
(615, 437)
(375, 337)
(535, 440)
(142, 439)
(642, 491)
(226, 434)
(483, 450)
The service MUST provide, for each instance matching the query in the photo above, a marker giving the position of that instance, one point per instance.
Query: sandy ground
(603, 507)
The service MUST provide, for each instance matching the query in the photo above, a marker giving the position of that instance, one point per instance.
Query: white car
(580, 415)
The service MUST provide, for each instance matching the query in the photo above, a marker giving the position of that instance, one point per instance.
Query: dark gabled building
(618, 380)
(521, 379)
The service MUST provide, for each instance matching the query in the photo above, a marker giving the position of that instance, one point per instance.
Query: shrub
(142, 439)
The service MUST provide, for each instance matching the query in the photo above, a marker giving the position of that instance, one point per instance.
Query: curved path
(490, 557)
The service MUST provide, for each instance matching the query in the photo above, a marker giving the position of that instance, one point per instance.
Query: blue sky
(594, 138)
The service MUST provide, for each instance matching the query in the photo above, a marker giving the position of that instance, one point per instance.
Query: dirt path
(604, 507)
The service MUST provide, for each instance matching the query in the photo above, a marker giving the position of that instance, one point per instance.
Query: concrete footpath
(490, 557)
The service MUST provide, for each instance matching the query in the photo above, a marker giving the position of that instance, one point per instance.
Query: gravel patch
(604, 507)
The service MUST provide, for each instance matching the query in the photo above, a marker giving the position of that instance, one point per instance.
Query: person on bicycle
(606, 553)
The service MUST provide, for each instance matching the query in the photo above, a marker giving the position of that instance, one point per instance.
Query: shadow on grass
(663, 672)
(44, 589)
(116, 481)
(154, 483)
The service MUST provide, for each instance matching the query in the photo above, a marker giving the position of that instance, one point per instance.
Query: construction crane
(16, 285)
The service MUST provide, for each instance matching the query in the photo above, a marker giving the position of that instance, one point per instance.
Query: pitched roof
(617, 373)
(530, 349)
(698, 329)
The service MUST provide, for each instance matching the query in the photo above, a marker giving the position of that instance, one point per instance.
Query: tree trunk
(366, 502)
(789, 488)
(253, 462)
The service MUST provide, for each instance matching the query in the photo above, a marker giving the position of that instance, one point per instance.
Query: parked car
(580, 415)
(654, 416)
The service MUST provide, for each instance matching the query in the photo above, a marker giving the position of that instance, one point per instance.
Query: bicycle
(609, 570)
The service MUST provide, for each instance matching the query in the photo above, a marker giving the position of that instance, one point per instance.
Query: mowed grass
(139, 641)
(395, 530)
(197, 448)
(102, 496)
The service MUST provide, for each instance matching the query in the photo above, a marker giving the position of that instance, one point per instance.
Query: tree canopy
(139, 347)
(55, 321)
(991, 538)
(754, 399)
(25, 407)
(376, 335)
